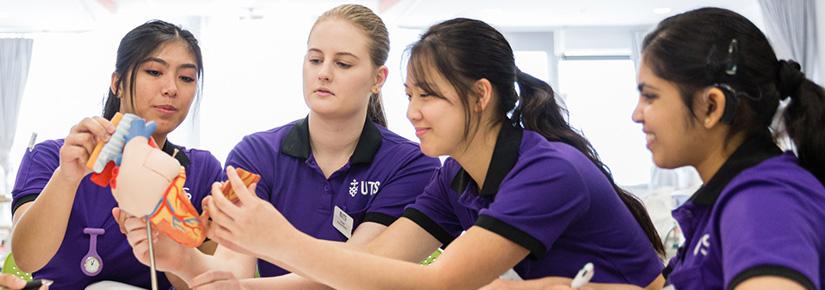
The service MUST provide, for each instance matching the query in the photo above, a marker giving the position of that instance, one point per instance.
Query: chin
(663, 162)
(430, 152)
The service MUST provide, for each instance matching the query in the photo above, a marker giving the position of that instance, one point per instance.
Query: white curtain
(15, 56)
(791, 26)
(637, 36)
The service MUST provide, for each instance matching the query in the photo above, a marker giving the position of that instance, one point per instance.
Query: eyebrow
(337, 54)
(163, 62)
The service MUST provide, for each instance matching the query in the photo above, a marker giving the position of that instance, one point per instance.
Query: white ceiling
(82, 15)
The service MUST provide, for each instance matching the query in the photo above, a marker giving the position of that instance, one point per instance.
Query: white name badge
(342, 222)
(510, 275)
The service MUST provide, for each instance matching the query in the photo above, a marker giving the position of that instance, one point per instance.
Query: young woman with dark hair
(58, 211)
(527, 189)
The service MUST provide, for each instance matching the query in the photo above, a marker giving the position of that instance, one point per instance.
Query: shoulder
(396, 142)
(273, 136)
(202, 157)
(777, 175)
(401, 151)
(48, 146)
(777, 187)
(45, 151)
(268, 140)
(537, 153)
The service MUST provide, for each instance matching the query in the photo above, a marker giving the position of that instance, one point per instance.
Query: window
(600, 95)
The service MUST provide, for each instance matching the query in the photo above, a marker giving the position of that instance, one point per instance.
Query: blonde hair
(378, 46)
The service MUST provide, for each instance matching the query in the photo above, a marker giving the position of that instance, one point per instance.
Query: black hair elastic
(790, 78)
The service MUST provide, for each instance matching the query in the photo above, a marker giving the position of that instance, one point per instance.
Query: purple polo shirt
(93, 208)
(760, 214)
(384, 174)
(548, 198)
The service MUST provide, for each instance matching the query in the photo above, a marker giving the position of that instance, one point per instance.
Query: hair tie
(790, 78)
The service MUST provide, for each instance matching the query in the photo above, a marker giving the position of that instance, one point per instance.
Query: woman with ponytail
(527, 191)
(339, 174)
(710, 85)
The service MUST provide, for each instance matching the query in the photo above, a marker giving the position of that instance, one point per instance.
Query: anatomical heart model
(147, 182)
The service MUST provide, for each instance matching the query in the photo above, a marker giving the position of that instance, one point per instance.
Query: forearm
(323, 261)
(196, 263)
(39, 229)
(288, 281)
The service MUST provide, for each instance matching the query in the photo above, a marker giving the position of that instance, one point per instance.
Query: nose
(325, 72)
(638, 116)
(413, 111)
(170, 88)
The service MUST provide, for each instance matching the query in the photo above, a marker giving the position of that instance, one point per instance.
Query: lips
(324, 92)
(650, 138)
(168, 109)
(421, 131)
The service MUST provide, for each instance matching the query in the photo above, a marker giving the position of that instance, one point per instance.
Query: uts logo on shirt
(363, 187)
(702, 246)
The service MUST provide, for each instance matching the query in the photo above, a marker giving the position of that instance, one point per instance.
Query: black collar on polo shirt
(752, 152)
(169, 148)
(296, 142)
(505, 155)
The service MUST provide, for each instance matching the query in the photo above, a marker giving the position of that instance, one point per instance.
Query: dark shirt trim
(169, 148)
(752, 152)
(505, 156)
(380, 218)
(429, 225)
(536, 248)
(667, 270)
(770, 270)
(21, 201)
(296, 142)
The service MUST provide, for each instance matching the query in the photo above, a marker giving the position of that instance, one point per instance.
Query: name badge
(342, 222)
(510, 275)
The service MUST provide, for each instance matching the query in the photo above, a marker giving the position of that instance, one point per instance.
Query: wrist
(292, 243)
(67, 179)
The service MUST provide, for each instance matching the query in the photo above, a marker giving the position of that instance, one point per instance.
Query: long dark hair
(718, 47)
(467, 50)
(136, 47)
(379, 46)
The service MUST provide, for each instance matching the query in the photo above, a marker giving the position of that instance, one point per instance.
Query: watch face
(91, 264)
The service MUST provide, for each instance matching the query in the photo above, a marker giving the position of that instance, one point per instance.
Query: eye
(649, 97)
(187, 79)
(315, 60)
(153, 72)
(343, 65)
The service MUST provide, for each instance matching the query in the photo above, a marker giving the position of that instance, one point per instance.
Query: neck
(477, 156)
(160, 139)
(718, 154)
(334, 137)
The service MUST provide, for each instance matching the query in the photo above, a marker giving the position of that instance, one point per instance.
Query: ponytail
(804, 117)
(375, 110)
(538, 111)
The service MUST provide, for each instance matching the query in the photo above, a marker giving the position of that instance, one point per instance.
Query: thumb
(12, 282)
